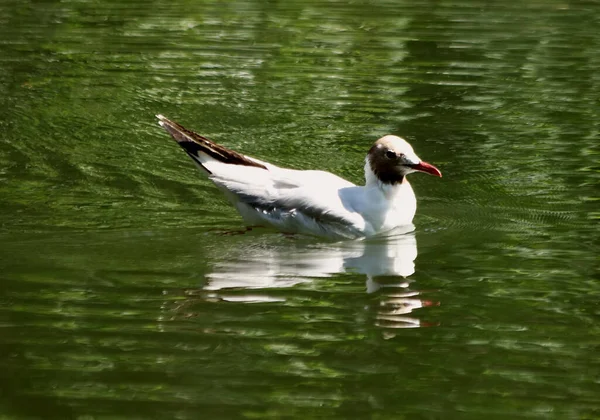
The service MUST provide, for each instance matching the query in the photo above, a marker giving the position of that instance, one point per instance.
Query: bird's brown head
(392, 158)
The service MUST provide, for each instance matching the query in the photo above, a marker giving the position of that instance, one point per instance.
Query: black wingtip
(176, 131)
(194, 144)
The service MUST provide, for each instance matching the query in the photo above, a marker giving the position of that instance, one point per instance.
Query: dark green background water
(126, 295)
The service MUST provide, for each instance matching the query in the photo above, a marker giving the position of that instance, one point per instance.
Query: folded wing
(288, 199)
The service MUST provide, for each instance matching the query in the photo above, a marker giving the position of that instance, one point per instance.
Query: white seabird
(310, 201)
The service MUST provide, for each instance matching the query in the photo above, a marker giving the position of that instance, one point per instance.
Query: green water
(126, 292)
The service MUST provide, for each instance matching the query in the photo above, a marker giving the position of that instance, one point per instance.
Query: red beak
(427, 167)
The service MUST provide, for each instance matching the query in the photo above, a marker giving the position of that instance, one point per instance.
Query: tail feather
(195, 145)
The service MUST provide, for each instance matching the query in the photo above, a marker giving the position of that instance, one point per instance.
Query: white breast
(387, 207)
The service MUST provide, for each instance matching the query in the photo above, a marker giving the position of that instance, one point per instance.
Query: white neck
(396, 203)
(370, 177)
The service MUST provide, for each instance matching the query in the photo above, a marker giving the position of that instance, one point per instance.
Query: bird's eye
(390, 154)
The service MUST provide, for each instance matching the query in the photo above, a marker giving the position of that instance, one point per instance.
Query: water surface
(128, 291)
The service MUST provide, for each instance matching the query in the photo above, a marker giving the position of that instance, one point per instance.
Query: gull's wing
(292, 200)
(202, 150)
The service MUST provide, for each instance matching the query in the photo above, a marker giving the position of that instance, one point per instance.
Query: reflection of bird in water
(395, 307)
(249, 273)
(312, 202)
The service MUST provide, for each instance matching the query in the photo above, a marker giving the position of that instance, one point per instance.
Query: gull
(311, 201)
